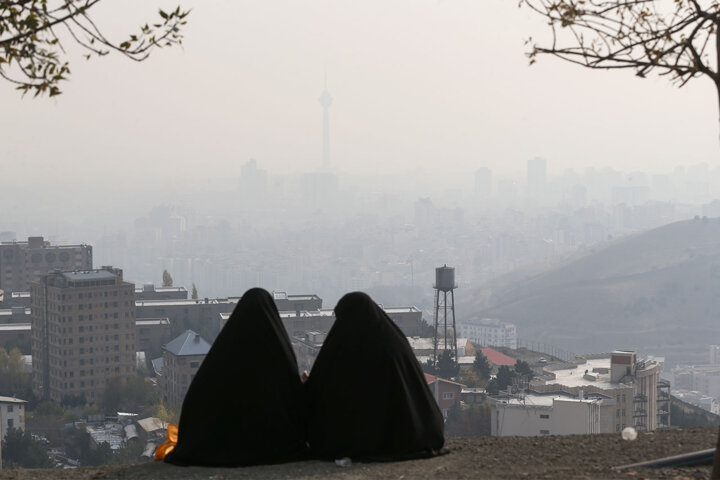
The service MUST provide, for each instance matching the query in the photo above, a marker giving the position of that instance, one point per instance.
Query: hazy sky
(416, 83)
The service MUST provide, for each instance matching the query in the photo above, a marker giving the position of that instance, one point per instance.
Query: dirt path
(554, 457)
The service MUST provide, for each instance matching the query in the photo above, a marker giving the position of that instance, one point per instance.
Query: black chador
(244, 406)
(367, 397)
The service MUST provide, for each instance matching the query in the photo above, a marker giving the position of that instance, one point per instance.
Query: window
(11, 423)
(10, 408)
(544, 416)
(617, 413)
(194, 364)
(448, 395)
(544, 432)
(617, 427)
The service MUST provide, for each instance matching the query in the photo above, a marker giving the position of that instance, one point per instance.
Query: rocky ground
(554, 457)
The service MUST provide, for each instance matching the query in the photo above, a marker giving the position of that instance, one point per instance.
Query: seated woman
(367, 397)
(244, 406)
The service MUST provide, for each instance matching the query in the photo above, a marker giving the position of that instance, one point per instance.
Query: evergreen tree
(167, 279)
(523, 370)
(447, 367)
(194, 294)
(482, 365)
(19, 449)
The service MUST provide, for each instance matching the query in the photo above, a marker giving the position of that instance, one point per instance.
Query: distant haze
(435, 85)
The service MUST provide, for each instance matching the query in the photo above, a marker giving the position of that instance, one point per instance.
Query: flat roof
(89, 275)
(574, 376)
(152, 321)
(542, 400)
(15, 327)
(11, 311)
(181, 302)
(401, 310)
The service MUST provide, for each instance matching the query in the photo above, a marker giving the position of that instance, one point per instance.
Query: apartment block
(642, 399)
(181, 359)
(83, 333)
(488, 332)
(22, 263)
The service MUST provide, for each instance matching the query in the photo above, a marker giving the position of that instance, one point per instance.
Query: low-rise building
(531, 414)
(150, 292)
(446, 392)
(12, 414)
(16, 335)
(181, 359)
(151, 334)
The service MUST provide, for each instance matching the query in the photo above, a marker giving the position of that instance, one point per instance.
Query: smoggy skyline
(415, 85)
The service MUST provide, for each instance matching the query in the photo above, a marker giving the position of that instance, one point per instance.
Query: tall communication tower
(444, 284)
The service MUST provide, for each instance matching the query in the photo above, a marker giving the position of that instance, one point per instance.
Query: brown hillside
(658, 291)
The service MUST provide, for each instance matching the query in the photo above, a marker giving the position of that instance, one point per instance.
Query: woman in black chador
(367, 396)
(244, 406)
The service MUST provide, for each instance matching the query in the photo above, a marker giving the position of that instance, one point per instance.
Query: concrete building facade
(151, 334)
(641, 397)
(488, 332)
(22, 263)
(181, 359)
(545, 414)
(12, 413)
(83, 333)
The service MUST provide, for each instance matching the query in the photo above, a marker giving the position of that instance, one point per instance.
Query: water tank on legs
(445, 278)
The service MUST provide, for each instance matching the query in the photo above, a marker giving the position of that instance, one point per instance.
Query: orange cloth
(169, 445)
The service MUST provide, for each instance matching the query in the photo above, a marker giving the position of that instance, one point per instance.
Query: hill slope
(658, 291)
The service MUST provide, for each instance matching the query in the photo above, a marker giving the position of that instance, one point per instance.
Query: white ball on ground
(629, 433)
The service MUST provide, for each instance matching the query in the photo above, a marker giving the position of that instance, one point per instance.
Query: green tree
(523, 370)
(675, 38)
(481, 365)
(505, 377)
(19, 449)
(428, 366)
(167, 279)
(33, 34)
(194, 294)
(447, 367)
(128, 395)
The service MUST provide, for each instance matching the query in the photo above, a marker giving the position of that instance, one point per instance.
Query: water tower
(444, 284)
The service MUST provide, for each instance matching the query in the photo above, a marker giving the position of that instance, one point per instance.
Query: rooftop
(15, 327)
(188, 343)
(12, 400)
(497, 358)
(575, 375)
(89, 275)
(178, 302)
(152, 321)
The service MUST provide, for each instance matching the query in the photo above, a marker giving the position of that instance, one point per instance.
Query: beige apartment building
(641, 398)
(181, 359)
(83, 333)
(22, 263)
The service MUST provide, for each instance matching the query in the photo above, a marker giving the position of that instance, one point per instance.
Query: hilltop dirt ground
(555, 457)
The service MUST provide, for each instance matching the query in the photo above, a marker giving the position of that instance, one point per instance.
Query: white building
(642, 400)
(488, 332)
(12, 414)
(547, 414)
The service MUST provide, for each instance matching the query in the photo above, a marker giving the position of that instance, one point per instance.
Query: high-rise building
(83, 333)
(24, 262)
